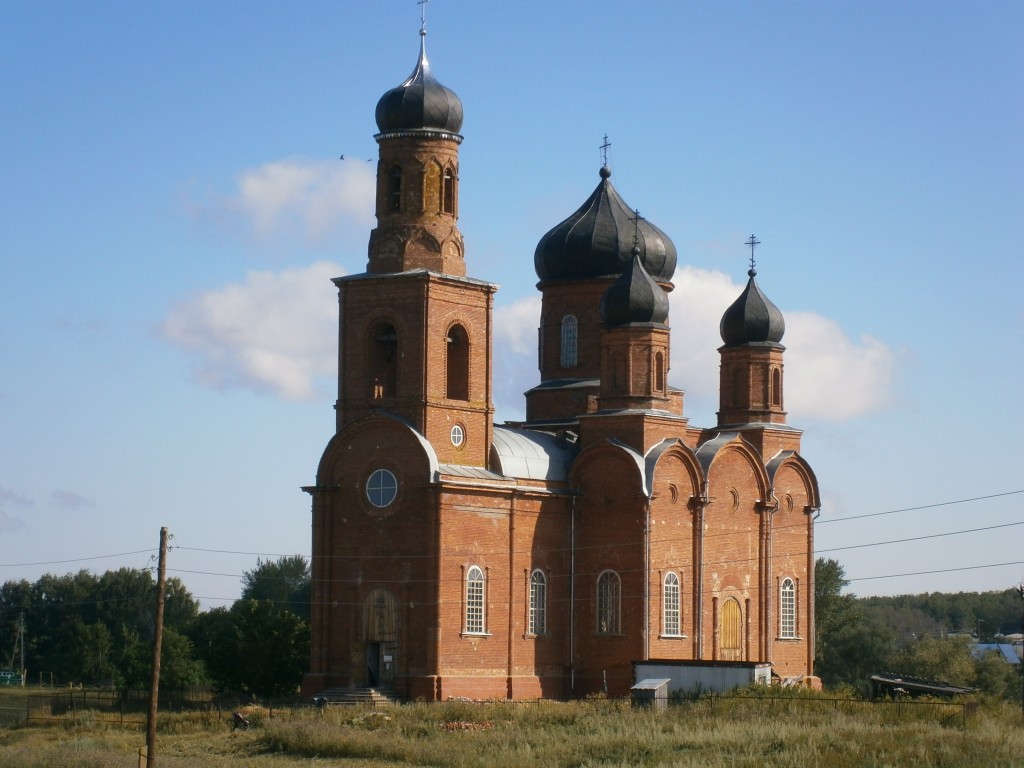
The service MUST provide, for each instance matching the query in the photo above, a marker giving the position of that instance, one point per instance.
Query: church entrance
(380, 639)
(731, 643)
(373, 664)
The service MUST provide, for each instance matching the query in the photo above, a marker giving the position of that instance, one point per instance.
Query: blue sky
(174, 206)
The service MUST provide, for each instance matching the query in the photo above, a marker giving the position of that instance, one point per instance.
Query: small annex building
(453, 557)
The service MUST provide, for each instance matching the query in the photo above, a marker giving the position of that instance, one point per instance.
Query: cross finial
(604, 151)
(753, 242)
(423, 15)
(636, 218)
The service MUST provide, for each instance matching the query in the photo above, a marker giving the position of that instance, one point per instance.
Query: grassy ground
(601, 734)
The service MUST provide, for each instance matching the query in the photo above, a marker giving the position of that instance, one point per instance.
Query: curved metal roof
(597, 241)
(634, 298)
(532, 455)
(752, 318)
(420, 103)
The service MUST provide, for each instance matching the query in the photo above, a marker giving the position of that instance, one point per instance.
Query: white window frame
(476, 601)
(787, 609)
(538, 603)
(381, 488)
(672, 602)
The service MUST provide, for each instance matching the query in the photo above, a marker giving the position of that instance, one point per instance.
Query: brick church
(453, 557)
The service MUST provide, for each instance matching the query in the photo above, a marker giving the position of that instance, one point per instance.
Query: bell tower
(415, 332)
(417, 202)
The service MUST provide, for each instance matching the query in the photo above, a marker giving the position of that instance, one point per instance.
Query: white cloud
(9, 498)
(828, 375)
(69, 499)
(275, 332)
(515, 355)
(831, 377)
(315, 201)
(515, 326)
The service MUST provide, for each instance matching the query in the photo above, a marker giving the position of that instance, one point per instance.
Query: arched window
(787, 609)
(659, 372)
(609, 591)
(457, 370)
(383, 361)
(671, 624)
(731, 635)
(538, 603)
(448, 192)
(777, 387)
(570, 332)
(475, 617)
(395, 188)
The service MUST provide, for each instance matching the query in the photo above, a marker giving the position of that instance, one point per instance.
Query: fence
(111, 706)
(885, 710)
(130, 707)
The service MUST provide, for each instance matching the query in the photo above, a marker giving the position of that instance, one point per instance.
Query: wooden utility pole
(1020, 590)
(158, 633)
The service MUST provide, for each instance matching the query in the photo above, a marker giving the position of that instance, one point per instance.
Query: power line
(76, 559)
(607, 546)
(706, 564)
(914, 509)
(939, 570)
(920, 538)
(753, 588)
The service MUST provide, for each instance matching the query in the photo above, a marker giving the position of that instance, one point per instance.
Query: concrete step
(353, 696)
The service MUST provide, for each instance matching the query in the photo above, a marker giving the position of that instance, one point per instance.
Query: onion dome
(634, 297)
(752, 318)
(597, 240)
(420, 103)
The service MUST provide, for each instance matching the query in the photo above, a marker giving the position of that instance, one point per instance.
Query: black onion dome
(634, 298)
(597, 240)
(420, 103)
(752, 318)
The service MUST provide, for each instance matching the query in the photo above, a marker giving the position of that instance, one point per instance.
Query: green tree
(833, 611)
(994, 676)
(86, 628)
(274, 644)
(855, 653)
(938, 658)
(213, 636)
(91, 652)
(285, 581)
(259, 647)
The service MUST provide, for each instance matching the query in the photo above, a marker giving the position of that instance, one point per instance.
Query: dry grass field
(727, 732)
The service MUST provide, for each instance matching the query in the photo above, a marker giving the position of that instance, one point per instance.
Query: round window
(381, 488)
(458, 435)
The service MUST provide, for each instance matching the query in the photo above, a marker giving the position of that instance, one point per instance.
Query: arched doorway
(380, 638)
(731, 639)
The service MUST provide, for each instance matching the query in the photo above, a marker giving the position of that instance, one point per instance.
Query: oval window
(381, 488)
(458, 435)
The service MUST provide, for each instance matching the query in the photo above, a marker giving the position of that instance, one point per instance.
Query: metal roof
(462, 470)
(534, 455)
(597, 241)
(420, 103)
(1006, 650)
